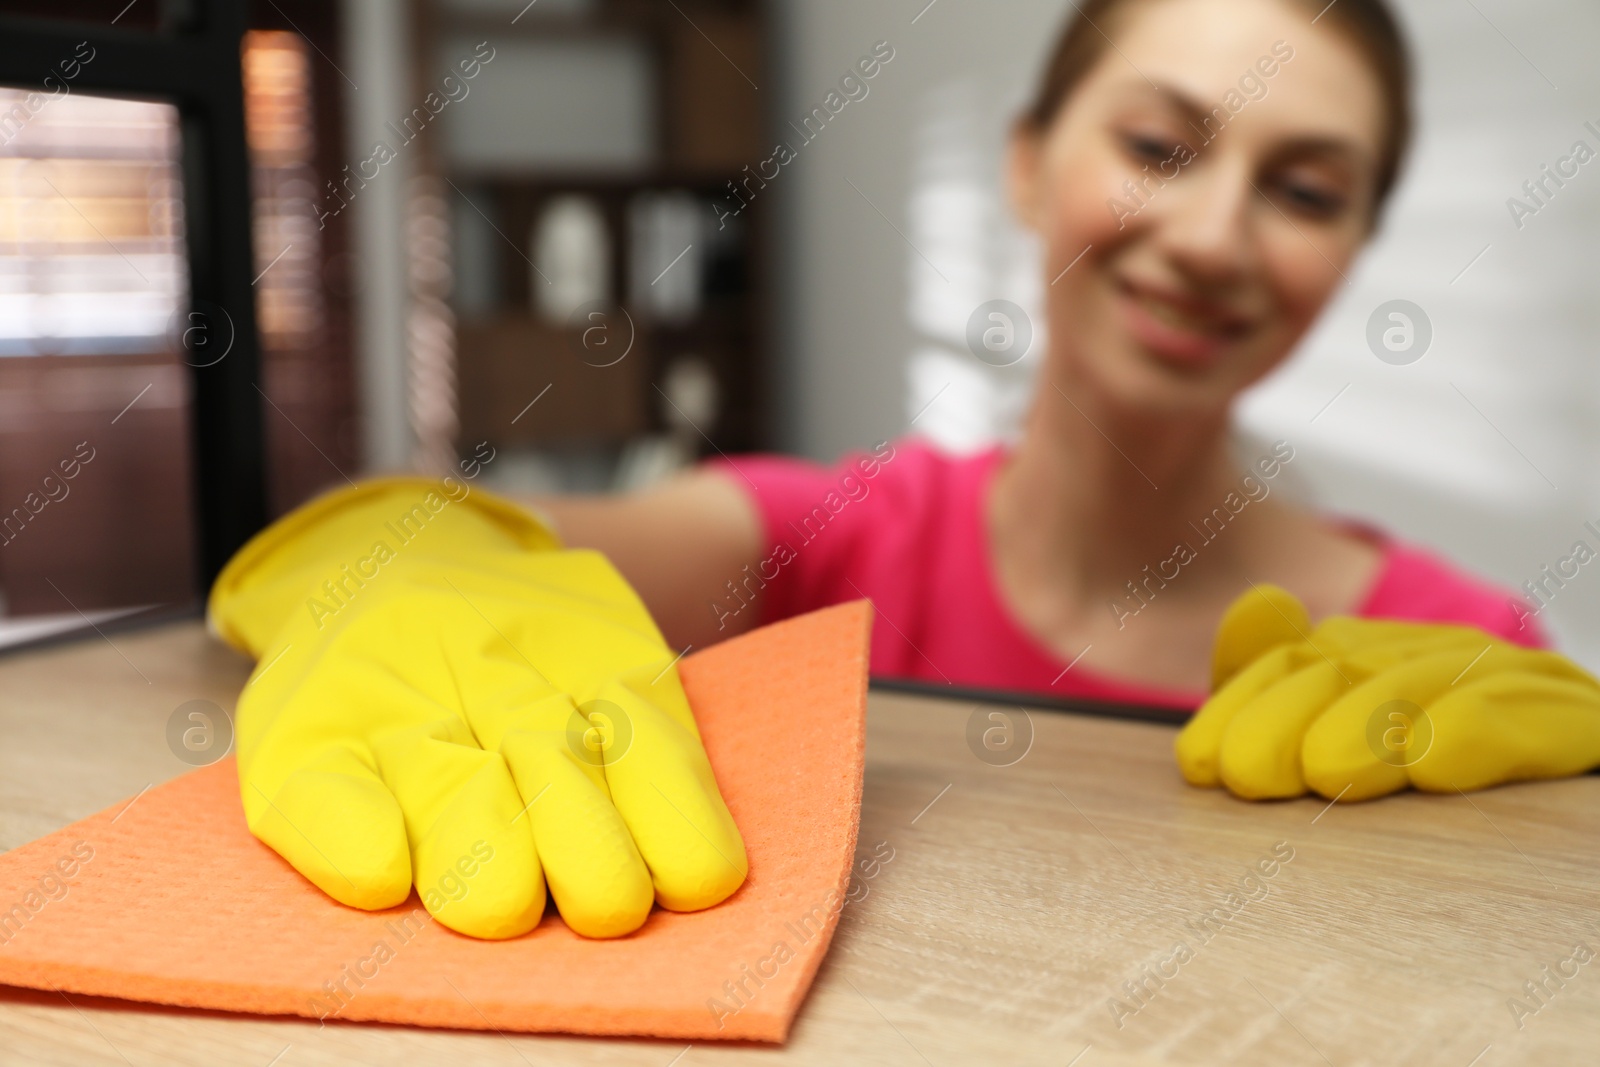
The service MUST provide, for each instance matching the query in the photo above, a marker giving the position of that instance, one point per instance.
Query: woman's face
(1215, 171)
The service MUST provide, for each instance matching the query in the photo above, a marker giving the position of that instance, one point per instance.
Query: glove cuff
(271, 573)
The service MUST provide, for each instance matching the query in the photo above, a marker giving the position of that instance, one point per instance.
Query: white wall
(1484, 448)
(923, 148)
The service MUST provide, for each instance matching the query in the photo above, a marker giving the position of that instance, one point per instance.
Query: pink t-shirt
(903, 526)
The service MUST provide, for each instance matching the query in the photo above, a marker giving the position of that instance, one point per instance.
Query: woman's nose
(1206, 229)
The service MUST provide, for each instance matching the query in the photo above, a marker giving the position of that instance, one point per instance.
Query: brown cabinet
(523, 382)
(700, 63)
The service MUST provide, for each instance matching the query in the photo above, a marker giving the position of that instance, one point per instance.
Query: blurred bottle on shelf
(571, 256)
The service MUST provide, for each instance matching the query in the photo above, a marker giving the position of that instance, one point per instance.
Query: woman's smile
(1191, 333)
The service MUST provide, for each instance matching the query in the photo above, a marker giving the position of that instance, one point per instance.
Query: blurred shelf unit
(598, 274)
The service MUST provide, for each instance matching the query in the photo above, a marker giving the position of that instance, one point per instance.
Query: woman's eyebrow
(1331, 147)
(1182, 101)
(1196, 114)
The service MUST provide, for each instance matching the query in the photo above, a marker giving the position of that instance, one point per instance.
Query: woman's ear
(1024, 157)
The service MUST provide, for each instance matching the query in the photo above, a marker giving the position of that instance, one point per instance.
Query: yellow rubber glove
(444, 697)
(1358, 708)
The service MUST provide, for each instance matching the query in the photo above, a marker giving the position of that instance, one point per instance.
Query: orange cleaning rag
(171, 899)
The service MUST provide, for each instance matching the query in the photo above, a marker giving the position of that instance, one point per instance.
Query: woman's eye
(1311, 199)
(1145, 147)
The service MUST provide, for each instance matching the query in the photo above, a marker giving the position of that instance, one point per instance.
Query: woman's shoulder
(873, 523)
(910, 472)
(1416, 584)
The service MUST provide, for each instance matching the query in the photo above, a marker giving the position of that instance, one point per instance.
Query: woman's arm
(679, 545)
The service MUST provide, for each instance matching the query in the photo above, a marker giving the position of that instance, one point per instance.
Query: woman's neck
(1090, 496)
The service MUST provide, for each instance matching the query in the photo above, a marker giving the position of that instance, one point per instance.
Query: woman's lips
(1182, 332)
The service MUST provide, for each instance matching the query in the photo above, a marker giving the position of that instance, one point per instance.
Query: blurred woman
(1201, 175)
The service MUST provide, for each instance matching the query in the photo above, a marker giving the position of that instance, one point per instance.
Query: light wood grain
(1018, 902)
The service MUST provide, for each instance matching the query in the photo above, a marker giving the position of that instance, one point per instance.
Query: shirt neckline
(985, 464)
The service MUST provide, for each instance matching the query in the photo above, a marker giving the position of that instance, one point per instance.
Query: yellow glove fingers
(1343, 634)
(472, 854)
(421, 725)
(1260, 753)
(596, 875)
(338, 825)
(1510, 727)
(1262, 618)
(666, 793)
(1366, 707)
(1371, 660)
(1359, 748)
(1538, 661)
(313, 792)
(1200, 741)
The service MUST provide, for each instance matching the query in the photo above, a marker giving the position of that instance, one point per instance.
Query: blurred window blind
(281, 132)
(91, 225)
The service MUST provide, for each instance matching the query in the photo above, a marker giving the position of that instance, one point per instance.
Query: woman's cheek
(1085, 202)
(1298, 281)
(1303, 275)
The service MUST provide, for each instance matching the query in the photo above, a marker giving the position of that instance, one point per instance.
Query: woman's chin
(1137, 384)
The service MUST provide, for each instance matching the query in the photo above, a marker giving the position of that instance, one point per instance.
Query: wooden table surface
(1020, 909)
